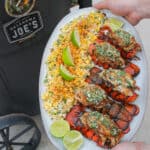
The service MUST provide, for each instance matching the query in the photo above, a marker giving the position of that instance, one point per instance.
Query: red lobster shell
(97, 76)
(95, 126)
(106, 55)
(122, 40)
(95, 98)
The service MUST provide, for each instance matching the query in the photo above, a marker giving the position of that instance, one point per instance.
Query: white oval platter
(141, 79)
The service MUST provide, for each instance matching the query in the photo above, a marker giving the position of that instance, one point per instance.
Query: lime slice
(59, 128)
(67, 57)
(114, 23)
(75, 38)
(73, 140)
(66, 74)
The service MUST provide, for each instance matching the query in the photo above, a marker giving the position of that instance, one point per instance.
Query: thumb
(130, 146)
(102, 5)
(133, 18)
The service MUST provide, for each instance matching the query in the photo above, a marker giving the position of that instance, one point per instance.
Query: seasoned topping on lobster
(89, 96)
(117, 83)
(102, 124)
(95, 126)
(119, 80)
(106, 55)
(125, 39)
(122, 40)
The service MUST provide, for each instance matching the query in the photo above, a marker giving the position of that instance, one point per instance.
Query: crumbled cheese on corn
(59, 96)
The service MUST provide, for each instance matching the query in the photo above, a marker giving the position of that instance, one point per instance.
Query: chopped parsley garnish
(107, 50)
(125, 36)
(121, 73)
(95, 95)
(114, 131)
(106, 122)
(93, 119)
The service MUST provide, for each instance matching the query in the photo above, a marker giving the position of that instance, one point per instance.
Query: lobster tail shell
(132, 109)
(94, 78)
(122, 114)
(132, 69)
(107, 35)
(104, 60)
(123, 125)
(74, 119)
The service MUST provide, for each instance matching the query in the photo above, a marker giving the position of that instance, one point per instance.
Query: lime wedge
(73, 140)
(114, 23)
(67, 57)
(75, 38)
(59, 128)
(66, 74)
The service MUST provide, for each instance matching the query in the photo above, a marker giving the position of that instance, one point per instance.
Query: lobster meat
(95, 126)
(122, 40)
(107, 56)
(118, 84)
(95, 98)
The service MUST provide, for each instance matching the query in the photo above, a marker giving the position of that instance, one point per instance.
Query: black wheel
(18, 132)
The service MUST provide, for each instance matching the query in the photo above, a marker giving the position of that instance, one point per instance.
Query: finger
(129, 146)
(132, 21)
(133, 18)
(125, 146)
(115, 8)
(102, 5)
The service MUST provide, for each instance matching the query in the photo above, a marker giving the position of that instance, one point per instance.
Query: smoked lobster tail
(105, 134)
(130, 68)
(126, 44)
(73, 117)
(105, 55)
(95, 98)
(125, 115)
(94, 78)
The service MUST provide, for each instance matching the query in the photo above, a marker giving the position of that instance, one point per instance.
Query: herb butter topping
(125, 36)
(96, 120)
(95, 94)
(121, 80)
(107, 50)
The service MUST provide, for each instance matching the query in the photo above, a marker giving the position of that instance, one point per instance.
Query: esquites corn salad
(59, 95)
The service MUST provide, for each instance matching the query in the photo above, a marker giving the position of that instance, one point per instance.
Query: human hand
(132, 146)
(132, 10)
